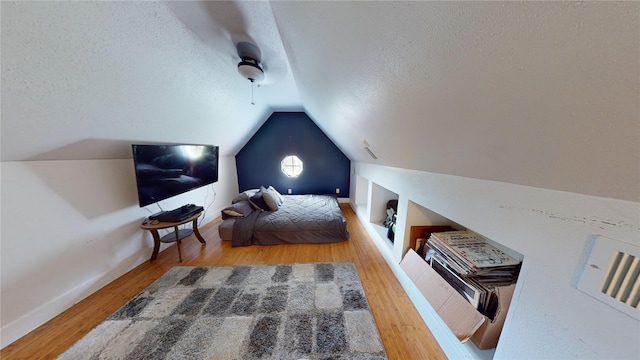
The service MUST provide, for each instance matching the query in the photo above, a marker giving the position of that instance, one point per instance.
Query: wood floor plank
(404, 334)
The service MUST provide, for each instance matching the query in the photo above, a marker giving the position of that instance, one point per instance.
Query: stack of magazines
(472, 266)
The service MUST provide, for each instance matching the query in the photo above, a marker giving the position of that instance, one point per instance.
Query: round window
(291, 166)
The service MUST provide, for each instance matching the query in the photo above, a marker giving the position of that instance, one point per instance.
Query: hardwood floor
(404, 334)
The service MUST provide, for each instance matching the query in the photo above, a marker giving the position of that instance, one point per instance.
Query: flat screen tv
(163, 171)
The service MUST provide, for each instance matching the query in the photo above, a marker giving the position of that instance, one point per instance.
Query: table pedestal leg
(175, 229)
(195, 231)
(156, 244)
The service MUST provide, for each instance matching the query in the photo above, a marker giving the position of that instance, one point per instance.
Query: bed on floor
(265, 217)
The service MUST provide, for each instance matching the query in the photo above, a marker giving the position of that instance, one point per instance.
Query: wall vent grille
(373, 156)
(611, 274)
(621, 281)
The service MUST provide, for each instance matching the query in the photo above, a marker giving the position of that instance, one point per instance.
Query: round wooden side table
(178, 234)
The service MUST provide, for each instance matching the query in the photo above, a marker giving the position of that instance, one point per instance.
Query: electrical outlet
(288, 191)
(337, 190)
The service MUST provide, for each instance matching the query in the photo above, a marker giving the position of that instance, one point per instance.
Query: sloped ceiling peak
(534, 93)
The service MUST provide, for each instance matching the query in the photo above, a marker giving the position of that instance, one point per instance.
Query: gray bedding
(300, 219)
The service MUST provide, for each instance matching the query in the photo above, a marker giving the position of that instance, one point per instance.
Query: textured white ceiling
(535, 93)
(82, 79)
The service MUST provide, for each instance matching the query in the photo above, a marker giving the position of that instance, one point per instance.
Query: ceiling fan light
(249, 69)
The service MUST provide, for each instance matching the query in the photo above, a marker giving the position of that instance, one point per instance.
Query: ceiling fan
(224, 26)
(249, 65)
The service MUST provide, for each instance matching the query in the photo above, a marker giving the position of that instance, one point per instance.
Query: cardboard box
(460, 316)
(487, 336)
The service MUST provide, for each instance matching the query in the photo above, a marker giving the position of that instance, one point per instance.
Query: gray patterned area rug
(289, 311)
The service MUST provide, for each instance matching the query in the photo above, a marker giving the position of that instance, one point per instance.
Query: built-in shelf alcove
(361, 193)
(379, 199)
(370, 200)
(417, 215)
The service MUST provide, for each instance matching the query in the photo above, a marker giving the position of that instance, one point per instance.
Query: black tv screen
(163, 171)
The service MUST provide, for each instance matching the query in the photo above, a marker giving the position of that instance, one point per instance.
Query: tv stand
(178, 234)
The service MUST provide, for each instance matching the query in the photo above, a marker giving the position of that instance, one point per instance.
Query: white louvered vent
(611, 274)
(622, 282)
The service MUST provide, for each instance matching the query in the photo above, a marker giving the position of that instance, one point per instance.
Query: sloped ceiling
(544, 94)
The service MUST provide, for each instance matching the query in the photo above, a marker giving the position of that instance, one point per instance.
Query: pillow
(280, 198)
(258, 202)
(245, 195)
(271, 199)
(239, 209)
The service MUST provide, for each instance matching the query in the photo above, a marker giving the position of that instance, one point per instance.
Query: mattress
(225, 229)
(300, 219)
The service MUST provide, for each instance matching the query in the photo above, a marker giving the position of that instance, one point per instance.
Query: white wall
(549, 318)
(70, 227)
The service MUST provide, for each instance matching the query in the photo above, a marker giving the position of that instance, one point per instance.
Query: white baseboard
(47, 311)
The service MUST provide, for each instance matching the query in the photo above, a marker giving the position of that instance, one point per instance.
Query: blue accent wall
(325, 167)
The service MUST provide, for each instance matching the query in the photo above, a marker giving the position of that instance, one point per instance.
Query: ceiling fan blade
(248, 50)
